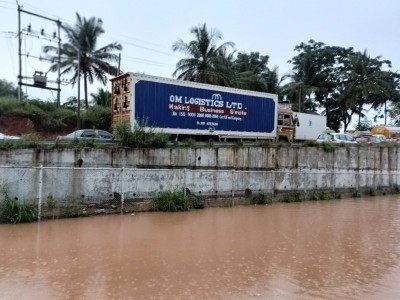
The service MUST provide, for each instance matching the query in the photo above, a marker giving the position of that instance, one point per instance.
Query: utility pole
(78, 124)
(59, 64)
(19, 56)
(20, 77)
(299, 99)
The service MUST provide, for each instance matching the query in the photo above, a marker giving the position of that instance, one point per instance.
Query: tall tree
(365, 82)
(7, 88)
(251, 71)
(205, 61)
(80, 55)
(102, 98)
(316, 75)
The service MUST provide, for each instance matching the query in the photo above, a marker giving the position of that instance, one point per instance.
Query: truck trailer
(184, 108)
(297, 126)
(308, 126)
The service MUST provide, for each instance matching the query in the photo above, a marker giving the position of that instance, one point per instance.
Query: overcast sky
(148, 28)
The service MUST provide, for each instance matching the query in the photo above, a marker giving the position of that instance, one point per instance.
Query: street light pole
(299, 98)
(79, 92)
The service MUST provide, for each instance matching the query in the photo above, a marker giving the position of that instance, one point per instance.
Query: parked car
(368, 139)
(91, 134)
(8, 137)
(336, 137)
(380, 137)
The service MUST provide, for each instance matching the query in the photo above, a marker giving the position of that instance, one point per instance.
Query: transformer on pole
(39, 79)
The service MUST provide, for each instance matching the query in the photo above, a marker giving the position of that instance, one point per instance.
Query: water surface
(338, 249)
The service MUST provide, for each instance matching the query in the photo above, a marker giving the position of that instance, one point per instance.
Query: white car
(336, 137)
(96, 135)
(8, 137)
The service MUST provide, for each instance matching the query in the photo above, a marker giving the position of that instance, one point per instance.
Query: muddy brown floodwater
(338, 249)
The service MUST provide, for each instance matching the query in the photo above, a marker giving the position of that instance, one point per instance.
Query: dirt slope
(16, 125)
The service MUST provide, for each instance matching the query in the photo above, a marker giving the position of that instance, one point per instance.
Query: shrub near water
(172, 201)
(176, 201)
(261, 198)
(11, 211)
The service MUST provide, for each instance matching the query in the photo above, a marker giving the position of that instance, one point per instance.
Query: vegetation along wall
(123, 176)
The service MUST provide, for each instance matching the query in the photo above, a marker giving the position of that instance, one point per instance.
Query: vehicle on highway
(380, 137)
(336, 137)
(96, 135)
(368, 139)
(8, 137)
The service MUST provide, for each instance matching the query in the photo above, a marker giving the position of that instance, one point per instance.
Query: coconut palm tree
(365, 81)
(80, 55)
(205, 61)
(102, 98)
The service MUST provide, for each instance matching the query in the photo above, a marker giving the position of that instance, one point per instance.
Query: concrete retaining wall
(123, 175)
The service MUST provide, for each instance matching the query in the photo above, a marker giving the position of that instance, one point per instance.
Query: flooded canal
(338, 249)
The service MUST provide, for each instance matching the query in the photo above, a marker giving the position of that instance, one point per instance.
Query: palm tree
(206, 61)
(80, 55)
(102, 98)
(365, 82)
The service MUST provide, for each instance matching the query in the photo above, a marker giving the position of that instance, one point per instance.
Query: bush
(11, 211)
(45, 115)
(138, 137)
(8, 105)
(261, 198)
(97, 117)
(293, 196)
(172, 201)
(310, 144)
(328, 147)
(189, 143)
(27, 141)
(159, 140)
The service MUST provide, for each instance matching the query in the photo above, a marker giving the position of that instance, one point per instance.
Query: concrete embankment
(123, 177)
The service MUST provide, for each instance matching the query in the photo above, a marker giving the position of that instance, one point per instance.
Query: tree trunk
(86, 91)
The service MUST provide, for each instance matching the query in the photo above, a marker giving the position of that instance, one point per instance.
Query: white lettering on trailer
(175, 99)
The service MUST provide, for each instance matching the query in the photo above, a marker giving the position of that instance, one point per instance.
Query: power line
(127, 40)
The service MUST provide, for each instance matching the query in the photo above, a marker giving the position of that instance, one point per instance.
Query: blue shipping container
(167, 105)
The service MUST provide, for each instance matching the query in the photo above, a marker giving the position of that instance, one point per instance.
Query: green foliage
(27, 141)
(265, 144)
(310, 144)
(293, 196)
(12, 211)
(83, 143)
(238, 144)
(81, 41)
(8, 104)
(8, 89)
(205, 61)
(96, 117)
(189, 143)
(328, 147)
(323, 195)
(395, 189)
(261, 198)
(197, 202)
(102, 98)
(172, 201)
(159, 140)
(71, 209)
(44, 115)
(139, 137)
(356, 193)
(363, 125)
(51, 203)
(371, 192)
